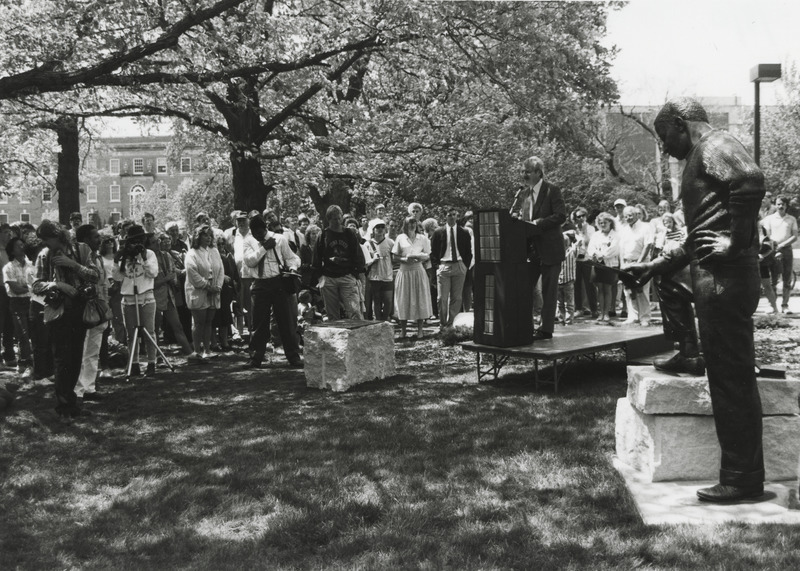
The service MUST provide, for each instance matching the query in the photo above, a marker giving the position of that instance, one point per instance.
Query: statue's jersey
(720, 182)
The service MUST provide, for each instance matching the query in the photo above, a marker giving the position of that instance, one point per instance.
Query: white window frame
(92, 164)
(24, 197)
(24, 213)
(111, 190)
(114, 167)
(184, 170)
(113, 212)
(91, 191)
(48, 192)
(3, 217)
(161, 165)
(140, 163)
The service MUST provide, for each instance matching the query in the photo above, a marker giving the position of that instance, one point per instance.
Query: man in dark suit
(542, 207)
(451, 255)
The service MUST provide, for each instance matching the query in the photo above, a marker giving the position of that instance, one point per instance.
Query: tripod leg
(134, 349)
(158, 349)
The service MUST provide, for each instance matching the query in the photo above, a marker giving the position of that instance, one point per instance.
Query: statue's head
(672, 124)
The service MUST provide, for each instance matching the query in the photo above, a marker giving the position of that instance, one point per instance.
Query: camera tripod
(138, 334)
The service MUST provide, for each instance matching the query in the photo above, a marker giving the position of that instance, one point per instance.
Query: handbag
(290, 281)
(52, 312)
(97, 311)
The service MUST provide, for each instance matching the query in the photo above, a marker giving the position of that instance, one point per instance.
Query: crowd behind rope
(255, 287)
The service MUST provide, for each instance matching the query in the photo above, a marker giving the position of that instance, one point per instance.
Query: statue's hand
(710, 246)
(643, 273)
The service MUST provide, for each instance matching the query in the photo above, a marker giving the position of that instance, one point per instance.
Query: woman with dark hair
(108, 251)
(61, 269)
(223, 319)
(16, 277)
(604, 248)
(137, 268)
(204, 278)
(412, 299)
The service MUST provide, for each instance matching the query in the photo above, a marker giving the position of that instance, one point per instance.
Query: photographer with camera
(136, 268)
(61, 269)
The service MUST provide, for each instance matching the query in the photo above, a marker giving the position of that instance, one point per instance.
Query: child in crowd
(380, 273)
(307, 314)
(566, 281)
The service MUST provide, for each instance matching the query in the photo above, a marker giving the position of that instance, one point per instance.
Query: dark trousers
(549, 274)
(6, 327)
(67, 334)
(20, 310)
(725, 297)
(382, 299)
(40, 342)
(585, 293)
(782, 268)
(268, 296)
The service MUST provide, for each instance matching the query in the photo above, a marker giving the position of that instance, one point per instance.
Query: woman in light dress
(204, 278)
(412, 299)
(604, 248)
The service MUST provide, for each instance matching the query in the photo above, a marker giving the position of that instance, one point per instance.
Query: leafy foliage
(780, 139)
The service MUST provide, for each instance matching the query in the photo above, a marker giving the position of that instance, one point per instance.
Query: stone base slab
(338, 358)
(653, 392)
(682, 447)
(671, 503)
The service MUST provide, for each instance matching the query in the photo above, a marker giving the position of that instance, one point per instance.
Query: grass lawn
(213, 468)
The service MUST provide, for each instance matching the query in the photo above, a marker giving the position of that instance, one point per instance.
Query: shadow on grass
(223, 468)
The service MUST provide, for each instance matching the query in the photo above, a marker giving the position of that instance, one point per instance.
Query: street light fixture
(762, 73)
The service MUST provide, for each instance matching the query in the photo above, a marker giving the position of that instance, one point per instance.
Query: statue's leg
(726, 296)
(675, 293)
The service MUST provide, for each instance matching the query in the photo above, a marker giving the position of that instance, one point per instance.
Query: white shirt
(254, 252)
(448, 251)
(780, 228)
(633, 240)
(530, 201)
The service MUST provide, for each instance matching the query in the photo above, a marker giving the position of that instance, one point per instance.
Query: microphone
(516, 200)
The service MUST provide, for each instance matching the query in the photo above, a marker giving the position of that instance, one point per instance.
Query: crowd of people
(262, 281)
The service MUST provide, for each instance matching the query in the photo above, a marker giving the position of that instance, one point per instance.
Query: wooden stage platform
(569, 343)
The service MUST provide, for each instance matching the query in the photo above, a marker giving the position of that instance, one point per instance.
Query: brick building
(114, 175)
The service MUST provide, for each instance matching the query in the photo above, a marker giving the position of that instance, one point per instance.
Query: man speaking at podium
(541, 206)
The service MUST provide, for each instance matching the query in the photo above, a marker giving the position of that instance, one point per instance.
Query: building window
(91, 193)
(3, 197)
(186, 165)
(115, 216)
(47, 195)
(3, 218)
(113, 166)
(91, 164)
(24, 197)
(24, 217)
(161, 165)
(114, 195)
(138, 166)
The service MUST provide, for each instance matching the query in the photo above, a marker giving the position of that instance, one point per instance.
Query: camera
(133, 250)
(53, 297)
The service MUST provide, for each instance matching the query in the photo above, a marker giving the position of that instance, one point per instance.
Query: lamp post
(762, 73)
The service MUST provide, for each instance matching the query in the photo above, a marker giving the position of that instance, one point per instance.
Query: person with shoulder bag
(61, 269)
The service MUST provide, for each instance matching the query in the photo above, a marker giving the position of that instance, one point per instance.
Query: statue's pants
(725, 297)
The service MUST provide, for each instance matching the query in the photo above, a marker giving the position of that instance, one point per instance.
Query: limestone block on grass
(653, 392)
(342, 354)
(685, 447)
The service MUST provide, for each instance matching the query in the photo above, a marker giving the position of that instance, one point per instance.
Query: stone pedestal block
(653, 392)
(685, 447)
(341, 354)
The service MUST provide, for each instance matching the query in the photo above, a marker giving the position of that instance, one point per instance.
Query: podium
(502, 289)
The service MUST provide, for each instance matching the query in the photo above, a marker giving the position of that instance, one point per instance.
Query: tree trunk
(67, 179)
(249, 190)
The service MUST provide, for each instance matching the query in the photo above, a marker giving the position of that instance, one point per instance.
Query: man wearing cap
(541, 205)
(451, 256)
(380, 274)
(619, 207)
(380, 212)
(302, 225)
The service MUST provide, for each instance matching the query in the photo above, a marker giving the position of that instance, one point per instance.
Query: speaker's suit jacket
(545, 241)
